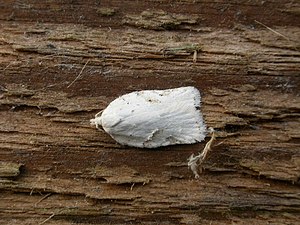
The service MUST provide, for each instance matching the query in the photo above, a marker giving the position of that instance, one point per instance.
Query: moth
(154, 118)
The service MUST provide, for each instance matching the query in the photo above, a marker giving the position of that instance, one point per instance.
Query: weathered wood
(61, 65)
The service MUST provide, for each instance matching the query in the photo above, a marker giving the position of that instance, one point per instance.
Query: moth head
(97, 121)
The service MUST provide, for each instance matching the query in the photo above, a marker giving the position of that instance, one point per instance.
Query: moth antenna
(99, 114)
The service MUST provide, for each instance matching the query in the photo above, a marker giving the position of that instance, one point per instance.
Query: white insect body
(154, 118)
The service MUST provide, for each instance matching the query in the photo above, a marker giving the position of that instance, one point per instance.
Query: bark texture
(63, 61)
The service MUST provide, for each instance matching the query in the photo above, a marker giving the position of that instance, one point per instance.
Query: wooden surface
(63, 61)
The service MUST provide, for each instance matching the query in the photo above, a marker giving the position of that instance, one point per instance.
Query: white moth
(154, 118)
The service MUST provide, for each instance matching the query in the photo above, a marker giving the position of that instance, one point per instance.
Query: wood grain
(63, 61)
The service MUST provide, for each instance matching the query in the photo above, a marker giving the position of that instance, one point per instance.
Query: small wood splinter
(195, 162)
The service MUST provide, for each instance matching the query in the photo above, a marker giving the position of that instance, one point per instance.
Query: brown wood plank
(57, 169)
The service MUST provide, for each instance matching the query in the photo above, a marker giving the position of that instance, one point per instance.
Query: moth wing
(155, 118)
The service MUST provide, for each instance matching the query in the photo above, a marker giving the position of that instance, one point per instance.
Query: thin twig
(49, 218)
(9, 64)
(43, 198)
(195, 56)
(131, 188)
(57, 213)
(270, 29)
(78, 74)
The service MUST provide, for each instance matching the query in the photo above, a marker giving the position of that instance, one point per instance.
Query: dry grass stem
(195, 162)
(274, 31)
(78, 74)
(49, 218)
(43, 198)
